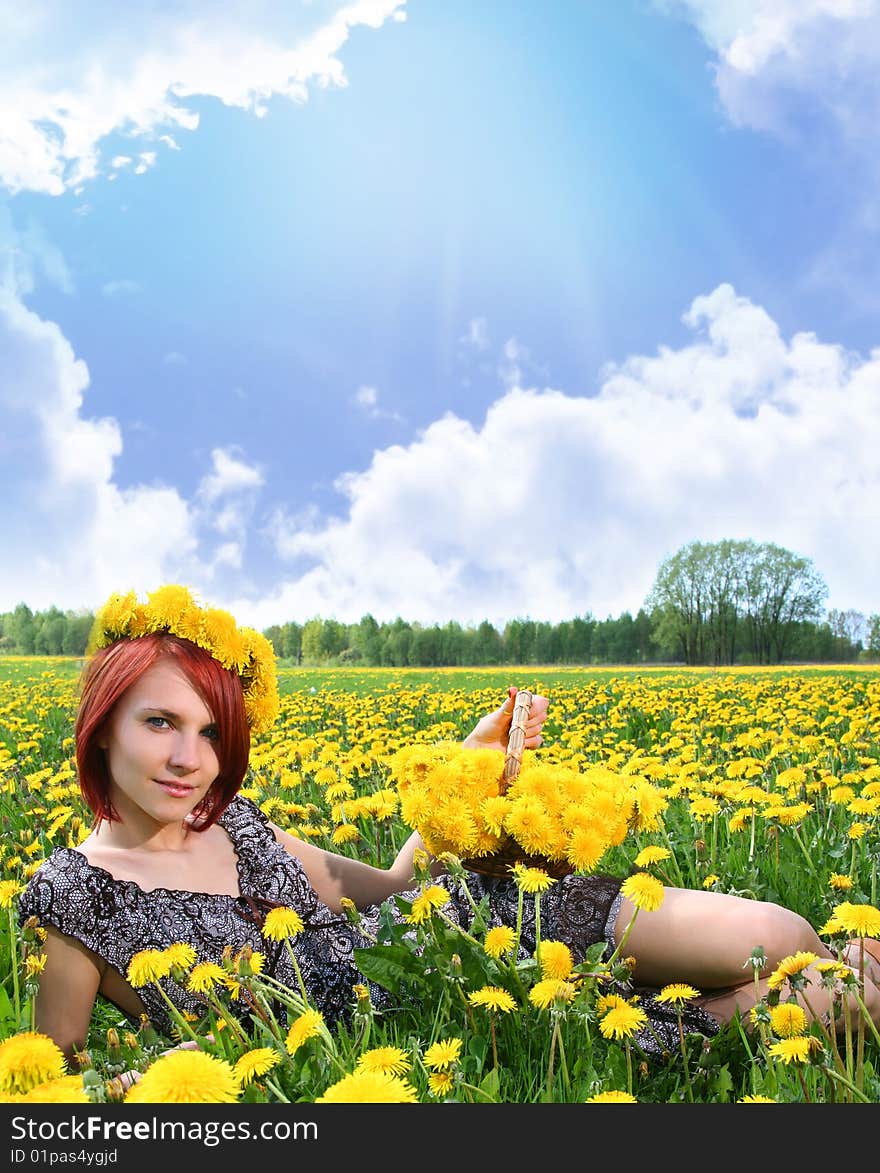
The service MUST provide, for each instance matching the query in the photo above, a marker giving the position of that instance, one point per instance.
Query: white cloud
(72, 76)
(70, 534)
(781, 60)
(560, 504)
(367, 400)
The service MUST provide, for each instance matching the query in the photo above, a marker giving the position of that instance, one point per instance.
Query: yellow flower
(862, 920)
(612, 1097)
(795, 1050)
(440, 1083)
(532, 880)
(649, 855)
(620, 1022)
(710, 881)
(9, 889)
(256, 1062)
(67, 1089)
(186, 1077)
(608, 1002)
(842, 883)
(549, 991)
(443, 1053)
(205, 976)
(857, 831)
(493, 998)
(345, 833)
(150, 965)
(426, 902)
(27, 1059)
(788, 1020)
(306, 1026)
(281, 923)
(789, 966)
(643, 890)
(181, 954)
(756, 1100)
(369, 1087)
(34, 963)
(555, 959)
(390, 1060)
(175, 609)
(499, 941)
(678, 993)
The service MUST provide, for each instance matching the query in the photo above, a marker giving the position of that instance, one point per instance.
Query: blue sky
(442, 310)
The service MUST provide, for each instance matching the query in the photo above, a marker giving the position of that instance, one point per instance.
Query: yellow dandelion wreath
(175, 609)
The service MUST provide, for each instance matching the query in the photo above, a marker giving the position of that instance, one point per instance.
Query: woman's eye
(157, 722)
(212, 733)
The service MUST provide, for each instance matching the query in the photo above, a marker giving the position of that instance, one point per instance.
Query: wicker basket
(500, 862)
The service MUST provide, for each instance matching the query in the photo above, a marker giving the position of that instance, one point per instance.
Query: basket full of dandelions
(494, 812)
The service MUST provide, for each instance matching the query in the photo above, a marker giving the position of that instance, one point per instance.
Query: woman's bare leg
(707, 939)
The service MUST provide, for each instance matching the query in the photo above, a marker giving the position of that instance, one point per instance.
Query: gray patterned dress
(116, 919)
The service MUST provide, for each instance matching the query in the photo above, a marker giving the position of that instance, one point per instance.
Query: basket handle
(517, 735)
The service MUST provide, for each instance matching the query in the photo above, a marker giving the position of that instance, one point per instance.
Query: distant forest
(729, 602)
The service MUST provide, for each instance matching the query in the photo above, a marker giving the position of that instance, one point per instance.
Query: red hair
(113, 670)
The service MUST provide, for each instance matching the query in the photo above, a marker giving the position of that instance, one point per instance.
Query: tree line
(727, 602)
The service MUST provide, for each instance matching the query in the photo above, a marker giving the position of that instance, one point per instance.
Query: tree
(707, 593)
(781, 590)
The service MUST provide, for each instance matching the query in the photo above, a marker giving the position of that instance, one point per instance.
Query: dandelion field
(767, 785)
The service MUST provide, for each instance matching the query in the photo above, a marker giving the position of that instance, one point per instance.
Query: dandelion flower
(150, 965)
(678, 993)
(307, 1026)
(181, 954)
(555, 959)
(9, 889)
(204, 977)
(796, 1050)
(440, 1083)
(254, 1063)
(622, 1021)
(369, 1087)
(493, 998)
(549, 991)
(788, 1020)
(842, 883)
(532, 880)
(426, 903)
(443, 1053)
(643, 890)
(186, 1077)
(862, 920)
(756, 1100)
(390, 1060)
(67, 1089)
(612, 1097)
(649, 855)
(789, 967)
(281, 923)
(499, 941)
(27, 1059)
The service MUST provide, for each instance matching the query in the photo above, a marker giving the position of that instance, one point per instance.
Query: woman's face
(160, 743)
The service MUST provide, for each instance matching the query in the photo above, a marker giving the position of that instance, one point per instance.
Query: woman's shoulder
(63, 881)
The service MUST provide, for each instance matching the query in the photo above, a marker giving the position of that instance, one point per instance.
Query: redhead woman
(172, 693)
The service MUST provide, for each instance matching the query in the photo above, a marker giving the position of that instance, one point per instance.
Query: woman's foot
(854, 956)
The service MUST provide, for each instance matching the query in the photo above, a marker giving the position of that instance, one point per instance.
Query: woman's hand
(491, 731)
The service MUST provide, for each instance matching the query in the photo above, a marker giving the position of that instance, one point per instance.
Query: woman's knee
(781, 932)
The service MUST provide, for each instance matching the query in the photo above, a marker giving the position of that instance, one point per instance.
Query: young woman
(170, 697)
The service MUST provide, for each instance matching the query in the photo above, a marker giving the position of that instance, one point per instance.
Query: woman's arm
(336, 876)
(67, 991)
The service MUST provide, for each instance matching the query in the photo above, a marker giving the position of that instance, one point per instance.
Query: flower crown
(174, 609)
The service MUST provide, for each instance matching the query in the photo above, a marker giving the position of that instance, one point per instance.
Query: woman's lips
(175, 789)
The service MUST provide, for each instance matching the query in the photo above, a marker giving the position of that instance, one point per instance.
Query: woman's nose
(185, 754)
